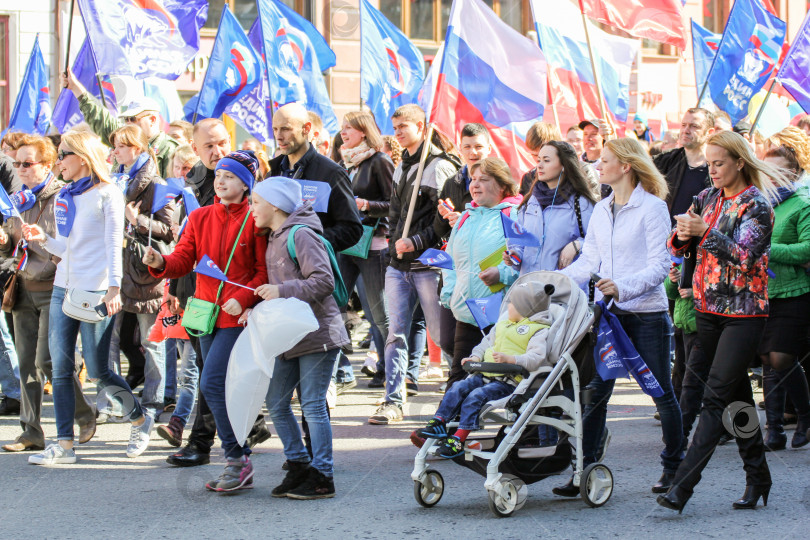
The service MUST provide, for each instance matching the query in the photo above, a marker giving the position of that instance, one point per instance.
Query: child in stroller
(520, 339)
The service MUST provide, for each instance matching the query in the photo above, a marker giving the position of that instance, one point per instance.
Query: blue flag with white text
(254, 111)
(316, 193)
(436, 258)
(286, 85)
(485, 310)
(209, 268)
(32, 109)
(516, 234)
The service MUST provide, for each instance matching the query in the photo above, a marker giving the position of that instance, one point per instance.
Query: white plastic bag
(274, 327)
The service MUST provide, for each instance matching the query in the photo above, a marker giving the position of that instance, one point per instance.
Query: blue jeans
(466, 398)
(216, 350)
(170, 350)
(403, 291)
(417, 341)
(154, 369)
(187, 385)
(62, 334)
(650, 334)
(9, 364)
(311, 373)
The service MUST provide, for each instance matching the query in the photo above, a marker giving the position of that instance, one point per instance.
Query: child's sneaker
(238, 474)
(451, 447)
(473, 445)
(435, 429)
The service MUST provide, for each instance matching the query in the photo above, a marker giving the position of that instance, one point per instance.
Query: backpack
(340, 294)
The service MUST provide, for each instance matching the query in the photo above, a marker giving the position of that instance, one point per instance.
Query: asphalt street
(107, 495)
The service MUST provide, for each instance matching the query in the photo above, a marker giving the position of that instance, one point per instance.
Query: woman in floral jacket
(731, 223)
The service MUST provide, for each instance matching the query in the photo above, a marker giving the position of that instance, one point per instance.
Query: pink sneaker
(238, 474)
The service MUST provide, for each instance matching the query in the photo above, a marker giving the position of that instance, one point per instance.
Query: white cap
(137, 106)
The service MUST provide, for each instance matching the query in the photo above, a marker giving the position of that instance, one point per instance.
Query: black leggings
(467, 336)
(727, 343)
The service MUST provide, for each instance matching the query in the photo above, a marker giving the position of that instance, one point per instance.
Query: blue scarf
(64, 208)
(26, 199)
(121, 178)
(782, 193)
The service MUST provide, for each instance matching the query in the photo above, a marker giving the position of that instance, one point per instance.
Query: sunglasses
(62, 155)
(25, 164)
(132, 119)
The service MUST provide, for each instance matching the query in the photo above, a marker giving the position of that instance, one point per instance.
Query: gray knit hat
(531, 298)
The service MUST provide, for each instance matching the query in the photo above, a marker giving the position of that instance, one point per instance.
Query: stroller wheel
(428, 492)
(596, 485)
(510, 497)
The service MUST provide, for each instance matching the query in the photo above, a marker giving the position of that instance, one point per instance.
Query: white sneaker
(331, 395)
(139, 437)
(431, 372)
(54, 454)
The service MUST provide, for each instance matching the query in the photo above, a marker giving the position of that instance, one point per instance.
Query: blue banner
(795, 72)
(32, 109)
(286, 85)
(750, 48)
(392, 69)
(233, 71)
(486, 310)
(704, 47)
(254, 111)
(144, 38)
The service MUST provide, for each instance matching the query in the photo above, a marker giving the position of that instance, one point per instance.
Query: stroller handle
(495, 367)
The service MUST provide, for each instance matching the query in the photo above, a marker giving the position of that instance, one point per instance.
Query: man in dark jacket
(211, 142)
(407, 281)
(300, 160)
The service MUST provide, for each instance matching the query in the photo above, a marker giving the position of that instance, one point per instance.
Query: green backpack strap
(340, 294)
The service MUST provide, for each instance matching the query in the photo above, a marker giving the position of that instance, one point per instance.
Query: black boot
(751, 497)
(664, 483)
(802, 434)
(774, 391)
(795, 384)
(296, 475)
(316, 486)
(567, 490)
(675, 499)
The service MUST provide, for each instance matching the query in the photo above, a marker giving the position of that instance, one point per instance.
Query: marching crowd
(700, 243)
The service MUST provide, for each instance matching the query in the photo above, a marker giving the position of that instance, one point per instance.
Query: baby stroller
(512, 458)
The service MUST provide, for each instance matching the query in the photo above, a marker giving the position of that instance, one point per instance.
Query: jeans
(62, 334)
(170, 350)
(311, 373)
(650, 334)
(728, 343)
(417, 341)
(9, 365)
(467, 397)
(187, 384)
(403, 291)
(154, 370)
(216, 350)
(370, 288)
(31, 334)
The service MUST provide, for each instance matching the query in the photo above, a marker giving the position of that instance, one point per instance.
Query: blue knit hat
(242, 163)
(641, 117)
(283, 193)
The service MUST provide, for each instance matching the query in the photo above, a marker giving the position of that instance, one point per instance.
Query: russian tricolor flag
(492, 75)
(562, 38)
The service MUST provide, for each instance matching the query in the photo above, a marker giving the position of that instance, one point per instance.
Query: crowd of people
(699, 242)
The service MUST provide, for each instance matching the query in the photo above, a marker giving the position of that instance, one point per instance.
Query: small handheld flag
(316, 193)
(516, 234)
(436, 258)
(163, 195)
(209, 268)
(6, 207)
(486, 310)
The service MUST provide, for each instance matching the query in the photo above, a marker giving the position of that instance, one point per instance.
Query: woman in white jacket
(626, 246)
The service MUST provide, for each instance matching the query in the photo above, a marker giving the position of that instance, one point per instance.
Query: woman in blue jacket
(556, 210)
(477, 234)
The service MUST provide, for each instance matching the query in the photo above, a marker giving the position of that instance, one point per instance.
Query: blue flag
(794, 75)
(254, 111)
(189, 201)
(316, 193)
(750, 48)
(66, 112)
(436, 258)
(325, 54)
(209, 268)
(486, 310)
(144, 38)
(163, 195)
(391, 67)
(6, 207)
(32, 109)
(516, 234)
(704, 47)
(286, 85)
(233, 71)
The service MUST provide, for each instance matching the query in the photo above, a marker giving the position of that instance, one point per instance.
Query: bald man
(299, 159)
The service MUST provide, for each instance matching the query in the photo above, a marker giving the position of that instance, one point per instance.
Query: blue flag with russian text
(485, 310)
(286, 85)
(254, 111)
(316, 193)
(32, 108)
(704, 47)
(436, 258)
(516, 234)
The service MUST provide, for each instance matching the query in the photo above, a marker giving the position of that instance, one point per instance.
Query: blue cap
(243, 164)
(283, 193)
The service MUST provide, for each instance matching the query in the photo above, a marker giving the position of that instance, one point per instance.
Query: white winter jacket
(632, 251)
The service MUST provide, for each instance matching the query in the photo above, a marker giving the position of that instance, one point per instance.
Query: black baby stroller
(512, 458)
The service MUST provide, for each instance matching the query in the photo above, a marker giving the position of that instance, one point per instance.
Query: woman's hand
(503, 358)
(112, 300)
(153, 258)
(244, 317)
(173, 303)
(267, 291)
(175, 230)
(507, 259)
(452, 218)
(132, 211)
(360, 203)
(3, 236)
(232, 307)
(686, 293)
(33, 233)
(470, 359)
(490, 276)
(608, 288)
(567, 255)
(674, 274)
(403, 245)
(690, 225)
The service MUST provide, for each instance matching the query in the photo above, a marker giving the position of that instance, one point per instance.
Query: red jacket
(211, 230)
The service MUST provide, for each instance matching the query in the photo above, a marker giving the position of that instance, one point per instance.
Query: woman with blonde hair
(89, 216)
(799, 142)
(730, 224)
(625, 246)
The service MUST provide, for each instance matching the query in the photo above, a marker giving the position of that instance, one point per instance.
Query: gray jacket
(311, 280)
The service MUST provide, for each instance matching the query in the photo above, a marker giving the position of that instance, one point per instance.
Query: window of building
(246, 12)
(4, 104)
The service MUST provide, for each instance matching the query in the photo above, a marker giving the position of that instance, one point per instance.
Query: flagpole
(70, 32)
(205, 78)
(149, 241)
(761, 108)
(593, 64)
(417, 183)
(101, 90)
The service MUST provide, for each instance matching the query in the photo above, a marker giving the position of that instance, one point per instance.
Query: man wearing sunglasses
(142, 112)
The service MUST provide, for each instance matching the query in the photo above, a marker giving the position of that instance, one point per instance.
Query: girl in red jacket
(212, 230)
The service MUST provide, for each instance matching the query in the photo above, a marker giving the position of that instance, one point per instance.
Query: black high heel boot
(751, 497)
(774, 391)
(675, 499)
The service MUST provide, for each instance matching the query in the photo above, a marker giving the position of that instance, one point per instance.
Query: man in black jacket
(300, 160)
(211, 142)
